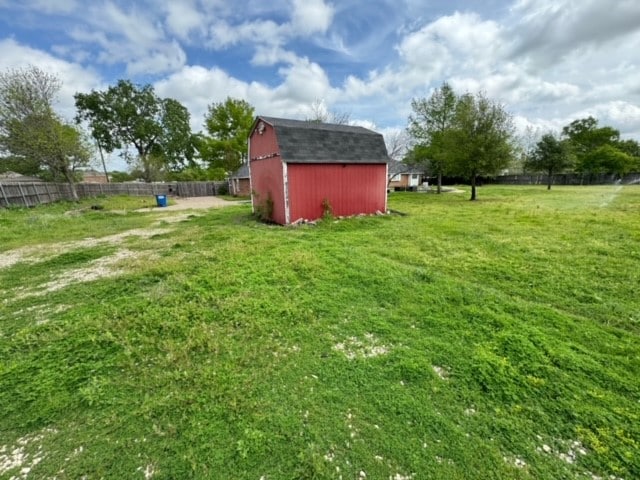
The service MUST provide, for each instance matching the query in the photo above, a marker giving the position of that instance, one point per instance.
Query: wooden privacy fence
(29, 194)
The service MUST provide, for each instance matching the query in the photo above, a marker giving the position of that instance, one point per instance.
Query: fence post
(4, 195)
(35, 189)
(24, 199)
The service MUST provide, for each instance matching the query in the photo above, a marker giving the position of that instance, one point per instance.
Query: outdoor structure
(239, 182)
(13, 177)
(403, 176)
(302, 170)
(94, 176)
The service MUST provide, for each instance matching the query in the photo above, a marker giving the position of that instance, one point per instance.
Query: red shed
(298, 168)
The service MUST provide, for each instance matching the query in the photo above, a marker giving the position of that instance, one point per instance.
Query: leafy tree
(585, 137)
(128, 115)
(430, 121)
(630, 147)
(120, 177)
(24, 166)
(422, 155)
(599, 149)
(550, 156)
(175, 145)
(479, 140)
(197, 173)
(608, 159)
(227, 124)
(31, 132)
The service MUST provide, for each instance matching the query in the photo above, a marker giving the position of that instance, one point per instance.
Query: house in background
(93, 176)
(302, 170)
(404, 177)
(240, 182)
(13, 177)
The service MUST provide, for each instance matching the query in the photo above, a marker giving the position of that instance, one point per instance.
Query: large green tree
(585, 137)
(431, 118)
(550, 155)
(127, 115)
(30, 130)
(599, 149)
(608, 159)
(480, 140)
(227, 124)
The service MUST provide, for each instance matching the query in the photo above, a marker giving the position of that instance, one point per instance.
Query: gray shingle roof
(396, 167)
(311, 142)
(242, 172)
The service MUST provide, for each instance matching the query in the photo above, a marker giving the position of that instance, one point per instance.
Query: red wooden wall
(267, 172)
(350, 189)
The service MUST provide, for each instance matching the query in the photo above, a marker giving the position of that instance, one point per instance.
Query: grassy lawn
(495, 339)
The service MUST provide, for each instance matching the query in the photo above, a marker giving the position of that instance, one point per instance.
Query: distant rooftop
(13, 177)
(242, 172)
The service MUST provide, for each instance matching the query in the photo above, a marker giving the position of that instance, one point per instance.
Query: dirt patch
(20, 458)
(14, 256)
(368, 347)
(187, 203)
(101, 268)
(37, 253)
(441, 372)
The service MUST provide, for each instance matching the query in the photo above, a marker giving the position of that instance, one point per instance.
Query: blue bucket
(161, 200)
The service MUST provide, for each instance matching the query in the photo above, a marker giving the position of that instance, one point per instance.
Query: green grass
(224, 348)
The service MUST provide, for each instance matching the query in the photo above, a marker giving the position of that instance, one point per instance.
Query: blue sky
(548, 61)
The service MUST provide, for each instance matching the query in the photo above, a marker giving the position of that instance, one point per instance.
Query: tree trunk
(72, 185)
(104, 165)
(473, 187)
(549, 179)
(439, 182)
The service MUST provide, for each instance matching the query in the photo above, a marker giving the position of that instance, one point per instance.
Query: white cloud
(267, 55)
(311, 16)
(549, 30)
(197, 87)
(74, 77)
(304, 82)
(48, 6)
(130, 37)
(183, 18)
(269, 38)
(224, 35)
(463, 39)
(623, 115)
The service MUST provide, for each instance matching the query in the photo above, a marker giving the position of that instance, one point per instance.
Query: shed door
(414, 180)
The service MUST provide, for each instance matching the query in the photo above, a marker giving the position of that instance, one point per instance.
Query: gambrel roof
(313, 142)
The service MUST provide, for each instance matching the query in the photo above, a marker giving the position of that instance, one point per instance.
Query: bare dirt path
(187, 203)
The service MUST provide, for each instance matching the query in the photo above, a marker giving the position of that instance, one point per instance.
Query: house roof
(311, 142)
(13, 177)
(396, 167)
(92, 173)
(242, 172)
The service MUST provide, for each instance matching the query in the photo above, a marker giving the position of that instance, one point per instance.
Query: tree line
(471, 135)
(151, 133)
(465, 135)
